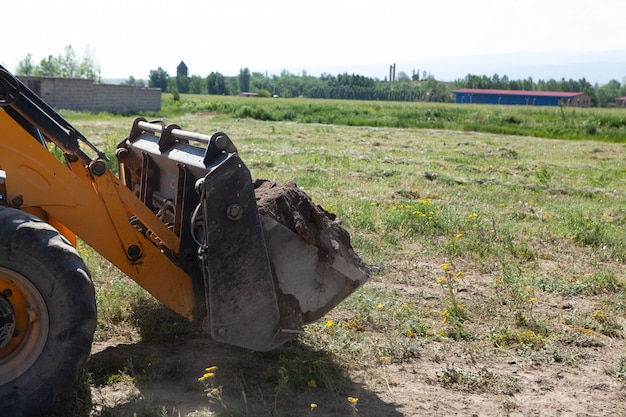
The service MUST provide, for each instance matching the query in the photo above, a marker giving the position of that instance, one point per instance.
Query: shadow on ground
(158, 376)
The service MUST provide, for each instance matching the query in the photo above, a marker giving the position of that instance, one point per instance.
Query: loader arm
(98, 209)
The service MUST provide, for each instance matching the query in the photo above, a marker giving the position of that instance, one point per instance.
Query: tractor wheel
(47, 314)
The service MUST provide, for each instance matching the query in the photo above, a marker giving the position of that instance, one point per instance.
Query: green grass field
(499, 253)
(543, 122)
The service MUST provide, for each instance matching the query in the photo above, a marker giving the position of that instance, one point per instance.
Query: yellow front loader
(253, 260)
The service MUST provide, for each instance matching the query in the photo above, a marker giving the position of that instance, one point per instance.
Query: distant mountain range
(595, 67)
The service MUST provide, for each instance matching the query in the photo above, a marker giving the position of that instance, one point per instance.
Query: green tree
(26, 66)
(259, 81)
(552, 85)
(197, 85)
(48, 67)
(89, 67)
(158, 79)
(172, 88)
(607, 93)
(244, 80)
(622, 91)
(182, 84)
(134, 82)
(528, 84)
(216, 84)
(66, 65)
(232, 84)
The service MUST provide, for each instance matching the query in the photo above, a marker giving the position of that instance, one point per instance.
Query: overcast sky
(131, 37)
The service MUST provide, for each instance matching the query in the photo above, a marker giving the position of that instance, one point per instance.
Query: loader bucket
(314, 264)
(283, 262)
(264, 259)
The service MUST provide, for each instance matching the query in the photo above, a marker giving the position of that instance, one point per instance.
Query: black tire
(48, 294)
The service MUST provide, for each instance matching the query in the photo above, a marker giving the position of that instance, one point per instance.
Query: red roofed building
(521, 97)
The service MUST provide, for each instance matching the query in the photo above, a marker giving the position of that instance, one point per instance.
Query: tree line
(341, 86)
(65, 65)
(359, 87)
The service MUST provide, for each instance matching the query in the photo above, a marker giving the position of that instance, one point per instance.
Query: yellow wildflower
(353, 400)
(599, 315)
(380, 306)
(441, 280)
(445, 315)
(211, 368)
(312, 383)
(329, 324)
(313, 405)
(206, 376)
(445, 266)
(460, 274)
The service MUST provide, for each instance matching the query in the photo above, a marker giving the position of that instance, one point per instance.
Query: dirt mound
(292, 207)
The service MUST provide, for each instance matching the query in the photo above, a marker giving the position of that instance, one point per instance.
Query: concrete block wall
(71, 94)
(125, 98)
(85, 95)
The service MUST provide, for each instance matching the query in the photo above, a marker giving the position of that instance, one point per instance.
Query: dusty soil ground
(577, 382)
(397, 389)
